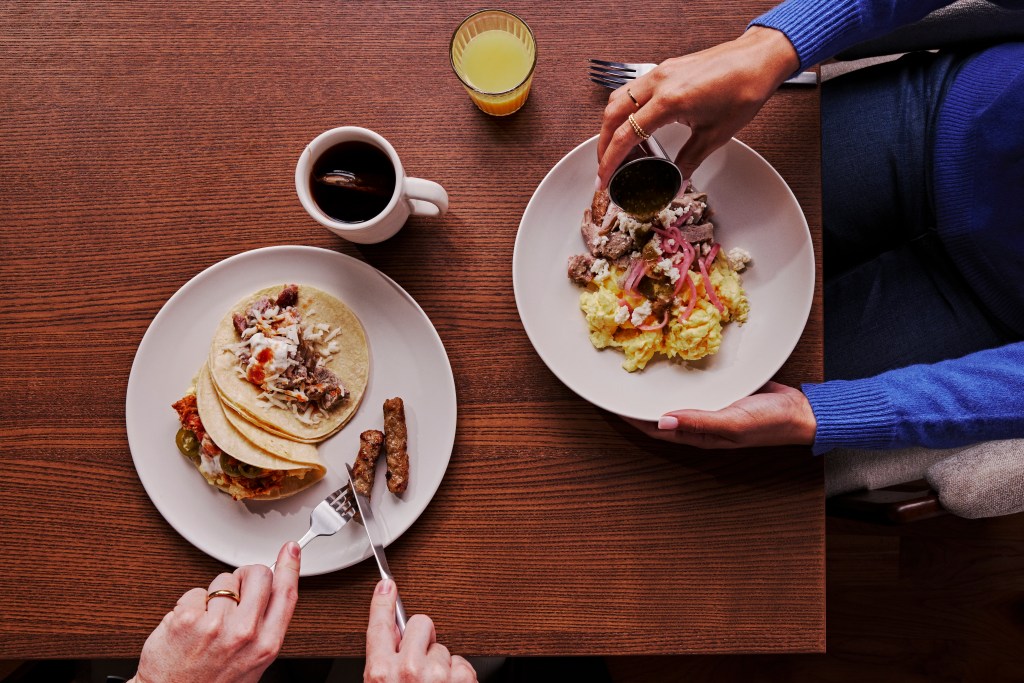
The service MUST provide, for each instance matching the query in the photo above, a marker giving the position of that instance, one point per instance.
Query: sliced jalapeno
(188, 444)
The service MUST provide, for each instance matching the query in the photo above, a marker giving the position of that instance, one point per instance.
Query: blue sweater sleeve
(819, 29)
(979, 397)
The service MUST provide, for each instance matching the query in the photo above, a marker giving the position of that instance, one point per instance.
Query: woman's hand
(715, 92)
(776, 415)
(416, 657)
(218, 641)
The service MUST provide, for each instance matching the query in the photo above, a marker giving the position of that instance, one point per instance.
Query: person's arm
(819, 29)
(717, 91)
(979, 397)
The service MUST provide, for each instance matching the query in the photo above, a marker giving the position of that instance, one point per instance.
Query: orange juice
(493, 54)
(496, 61)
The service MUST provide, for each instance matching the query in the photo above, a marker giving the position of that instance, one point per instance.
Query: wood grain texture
(144, 142)
(939, 600)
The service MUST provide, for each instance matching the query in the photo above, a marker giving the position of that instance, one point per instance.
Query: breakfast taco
(293, 362)
(233, 463)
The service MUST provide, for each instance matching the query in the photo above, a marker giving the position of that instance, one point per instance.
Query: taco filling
(286, 357)
(227, 473)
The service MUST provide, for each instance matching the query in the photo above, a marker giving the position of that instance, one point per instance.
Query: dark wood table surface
(143, 142)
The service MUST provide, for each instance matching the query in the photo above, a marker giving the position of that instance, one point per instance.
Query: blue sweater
(980, 217)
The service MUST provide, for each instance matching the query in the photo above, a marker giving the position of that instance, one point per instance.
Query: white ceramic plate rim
(614, 401)
(439, 456)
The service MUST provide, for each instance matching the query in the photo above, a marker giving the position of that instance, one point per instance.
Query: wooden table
(143, 142)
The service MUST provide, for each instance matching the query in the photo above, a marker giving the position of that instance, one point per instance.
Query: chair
(895, 487)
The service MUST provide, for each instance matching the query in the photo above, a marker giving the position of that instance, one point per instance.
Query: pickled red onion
(633, 275)
(688, 250)
(709, 288)
(682, 219)
(684, 270)
(649, 328)
(692, 291)
(710, 258)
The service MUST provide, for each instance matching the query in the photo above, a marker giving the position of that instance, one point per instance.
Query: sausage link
(369, 450)
(396, 442)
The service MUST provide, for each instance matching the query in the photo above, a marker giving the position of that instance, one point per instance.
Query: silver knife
(366, 515)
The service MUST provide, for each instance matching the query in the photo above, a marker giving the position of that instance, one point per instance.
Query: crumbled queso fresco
(601, 270)
(738, 258)
(640, 313)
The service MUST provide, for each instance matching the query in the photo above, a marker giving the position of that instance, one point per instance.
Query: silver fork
(327, 518)
(615, 74)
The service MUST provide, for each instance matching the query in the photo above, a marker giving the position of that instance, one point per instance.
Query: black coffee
(352, 181)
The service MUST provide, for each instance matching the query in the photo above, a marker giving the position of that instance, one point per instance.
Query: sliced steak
(599, 205)
(592, 234)
(238, 320)
(660, 305)
(579, 269)
(258, 306)
(618, 244)
(294, 376)
(289, 296)
(325, 388)
(698, 233)
(307, 355)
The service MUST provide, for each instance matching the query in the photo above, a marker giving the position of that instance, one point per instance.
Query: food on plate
(246, 470)
(396, 442)
(370, 442)
(291, 361)
(663, 286)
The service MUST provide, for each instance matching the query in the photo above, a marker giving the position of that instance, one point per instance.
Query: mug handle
(426, 197)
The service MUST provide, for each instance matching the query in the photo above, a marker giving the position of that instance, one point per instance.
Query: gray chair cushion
(962, 23)
(853, 470)
(983, 480)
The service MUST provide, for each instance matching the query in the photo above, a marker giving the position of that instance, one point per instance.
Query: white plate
(753, 209)
(407, 359)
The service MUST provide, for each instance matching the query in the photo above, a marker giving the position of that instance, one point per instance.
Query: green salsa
(644, 187)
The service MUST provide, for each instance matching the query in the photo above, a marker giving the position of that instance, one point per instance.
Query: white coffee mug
(411, 195)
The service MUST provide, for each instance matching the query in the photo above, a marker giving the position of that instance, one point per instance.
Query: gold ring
(632, 98)
(641, 133)
(223, 593)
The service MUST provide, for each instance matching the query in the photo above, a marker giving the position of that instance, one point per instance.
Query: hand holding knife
(372, 533)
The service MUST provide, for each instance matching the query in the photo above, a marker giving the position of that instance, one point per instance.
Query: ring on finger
(632, 98)
(640, 132)
(223, 593)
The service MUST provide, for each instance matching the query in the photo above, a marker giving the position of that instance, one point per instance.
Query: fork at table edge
(613, 75)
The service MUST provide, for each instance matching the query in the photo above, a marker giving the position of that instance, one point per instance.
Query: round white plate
(407, 359)
(753, 209)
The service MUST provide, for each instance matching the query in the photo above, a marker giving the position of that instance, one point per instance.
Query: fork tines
(610, 74)
(614, 65)
(342, 503)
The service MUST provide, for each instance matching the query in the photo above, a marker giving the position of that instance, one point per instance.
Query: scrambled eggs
(698, 336)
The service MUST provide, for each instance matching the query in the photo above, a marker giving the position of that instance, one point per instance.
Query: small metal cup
(655, 162)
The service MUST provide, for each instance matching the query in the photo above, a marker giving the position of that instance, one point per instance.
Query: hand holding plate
(776, 415)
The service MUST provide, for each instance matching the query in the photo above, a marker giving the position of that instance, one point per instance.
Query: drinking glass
(494, 54)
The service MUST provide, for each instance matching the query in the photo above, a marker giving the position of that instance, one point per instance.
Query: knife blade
(373, 534)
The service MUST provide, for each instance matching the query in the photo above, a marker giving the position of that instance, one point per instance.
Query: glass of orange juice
(493, 53)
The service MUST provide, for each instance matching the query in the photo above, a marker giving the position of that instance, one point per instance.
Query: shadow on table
(491, 670)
